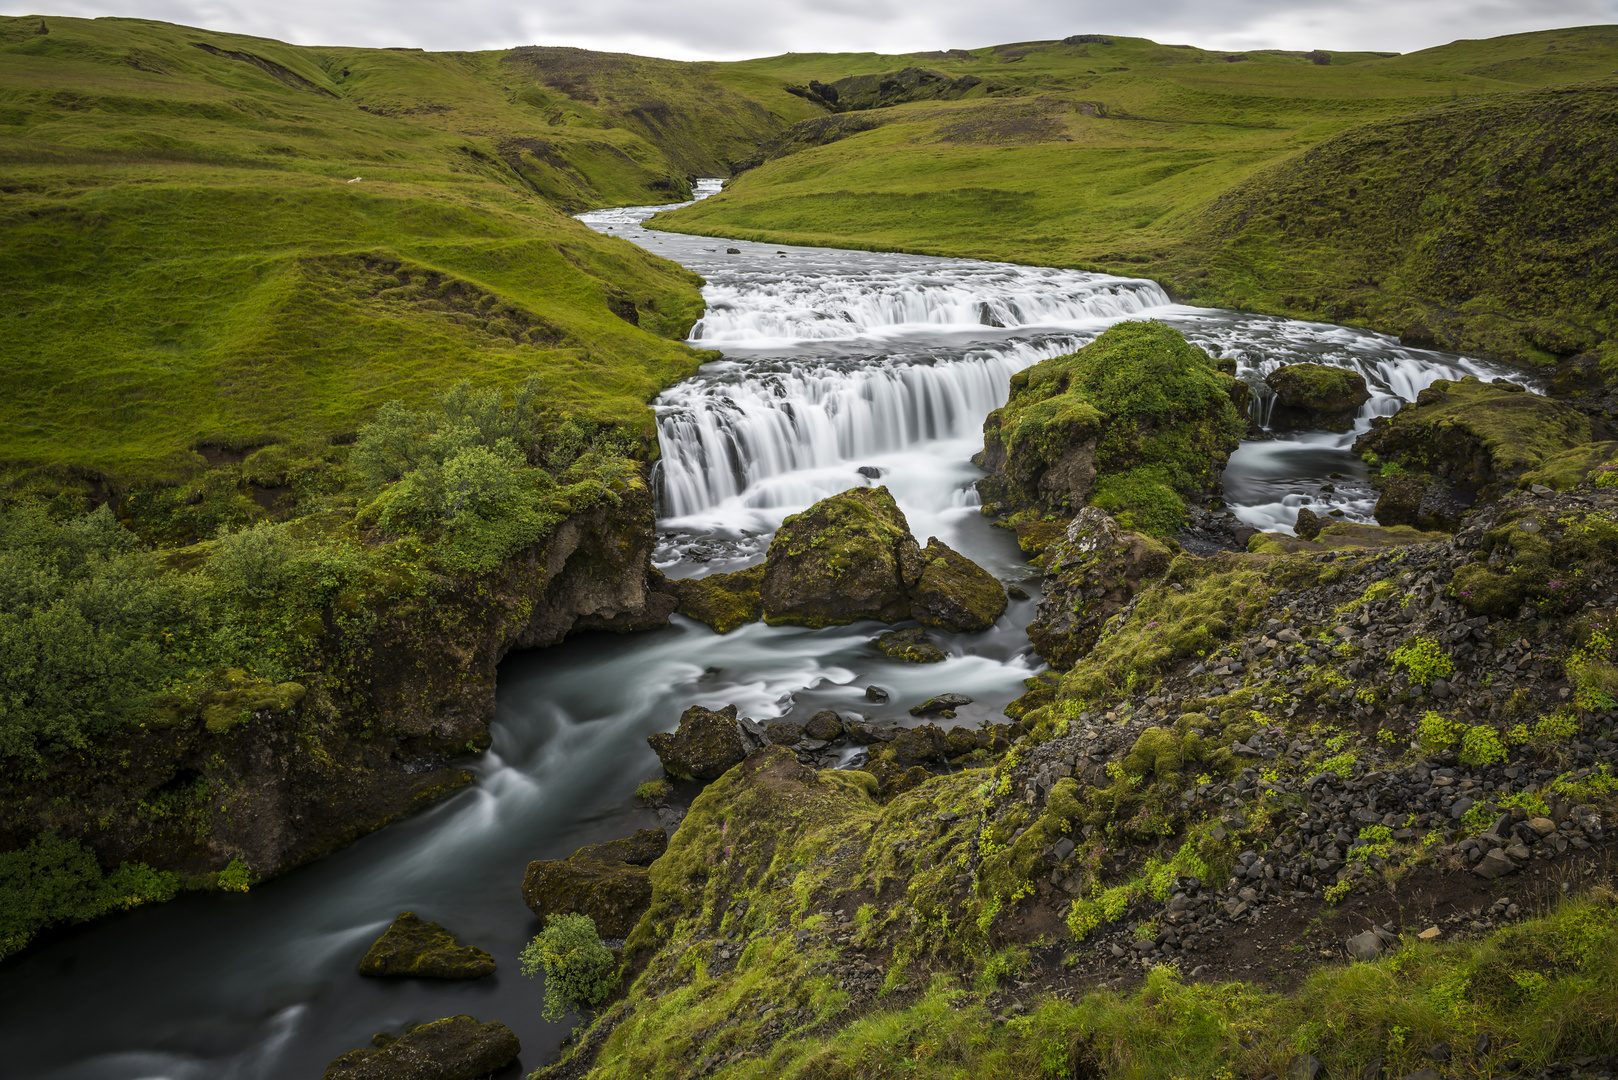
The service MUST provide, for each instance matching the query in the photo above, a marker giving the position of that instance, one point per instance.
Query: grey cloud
(735, 29)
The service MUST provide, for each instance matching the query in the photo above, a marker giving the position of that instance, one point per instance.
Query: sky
(739, 29)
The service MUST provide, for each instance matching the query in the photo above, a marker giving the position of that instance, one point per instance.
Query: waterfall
(738, 430)
(751, 311)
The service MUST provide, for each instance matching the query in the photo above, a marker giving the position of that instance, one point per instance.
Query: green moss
(723, 601)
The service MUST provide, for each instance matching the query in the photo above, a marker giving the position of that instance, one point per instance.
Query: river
(833, 361)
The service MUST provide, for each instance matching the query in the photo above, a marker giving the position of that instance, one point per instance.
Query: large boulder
(454, 1048)
(706, 744)
(1316, 396)
(411, 948)
(1480, 437)
(723, 601)
(608, 882)
(1421, 503)
(954, 593)
(845, 558)
(1137, 422)
(1090, 575)
(922, 745)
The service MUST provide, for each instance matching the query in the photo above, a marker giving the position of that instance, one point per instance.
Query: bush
(54, 881)
(1423, 660)
(1481, 745)
(579, 970)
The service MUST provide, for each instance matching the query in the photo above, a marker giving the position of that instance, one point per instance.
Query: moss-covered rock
(454, 1048)
(607, 882)
(783, 732)
(954, 593)
(848, 557)
(411, 948)
(1481, 437)
(1420, 502)
(922, 745)
(723, 601)
(1090, 576)
(1308, 525)
(1316, 396)
(913, 646)
(1135, 422)
(825, 725)
(706, 743)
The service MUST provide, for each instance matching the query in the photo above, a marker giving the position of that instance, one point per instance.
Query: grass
(187, 264)
(1454, 194)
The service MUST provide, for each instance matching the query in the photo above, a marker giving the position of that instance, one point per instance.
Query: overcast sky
(736, 29)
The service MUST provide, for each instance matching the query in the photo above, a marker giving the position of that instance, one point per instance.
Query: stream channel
(833, 360)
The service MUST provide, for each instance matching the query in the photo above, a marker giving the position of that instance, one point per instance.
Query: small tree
(579, 971)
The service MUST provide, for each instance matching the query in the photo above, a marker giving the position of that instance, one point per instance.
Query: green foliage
(52, 881)
(579, 971)
(1423, 660)
(79, 613)
(235, 877)
(1481, 745)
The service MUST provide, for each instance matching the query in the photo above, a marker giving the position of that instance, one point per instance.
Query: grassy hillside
(1361, 189)
(188, 264)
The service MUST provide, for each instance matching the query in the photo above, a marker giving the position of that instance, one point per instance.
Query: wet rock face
(1429, 505)
(723, 601)
(454, 1048)
(1316, 396)
(1308, 525)
(705, 745)
(845, 558)
(608, 882)
(411, 948)
(954, 593)
(1089, 576)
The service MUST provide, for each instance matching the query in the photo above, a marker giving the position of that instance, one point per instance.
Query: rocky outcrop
(706, 744)
(1312, 396)
(852, 557)
(607, 882)
(411, 948)
(954, 593)
(723, 601)
(284, 773)
(1420, 502)
(1479, 437)
(848, 557)
(1137, 422)
(1089, 577)
(454, 1048)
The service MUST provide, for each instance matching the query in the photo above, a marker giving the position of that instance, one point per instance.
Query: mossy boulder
(454, 1048)
(913, 646)
(825, 725)
(922, 745)
(707, 742)
(783, 732)
(607, 882)
(852, 557)
(1480, 437)
(954, 593)
(845, 558)
(1136, 422)
(1089, 577)
(411, 948)
(723, 601)
(1316, 396)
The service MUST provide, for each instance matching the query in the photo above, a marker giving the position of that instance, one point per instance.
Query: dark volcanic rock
(706, 744)
(954, 593)
(1089, 576)
(825, 725)
(411, 948)
(943, 703)
(1316, 396)
(1429, 505)
(454, 1048)
(1308, 525)
(607, 882)
(845, 558)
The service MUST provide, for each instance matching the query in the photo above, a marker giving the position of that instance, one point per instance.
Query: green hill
(210, 239)
(1458, 194)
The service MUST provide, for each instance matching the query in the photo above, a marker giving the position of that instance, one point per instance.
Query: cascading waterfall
(738, 430)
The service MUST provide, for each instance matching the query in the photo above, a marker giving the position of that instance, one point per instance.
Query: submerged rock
(411, 948)
(913, 646)
(945, 704)
(1316, 396)
(954, 593)
(707, 743)
(454, 1048)
(608, 882)
(845, 558)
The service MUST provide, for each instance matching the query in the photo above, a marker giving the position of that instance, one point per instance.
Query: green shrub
(1481, 745)
(1423, 660)
(579, 970)
(54, 881)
